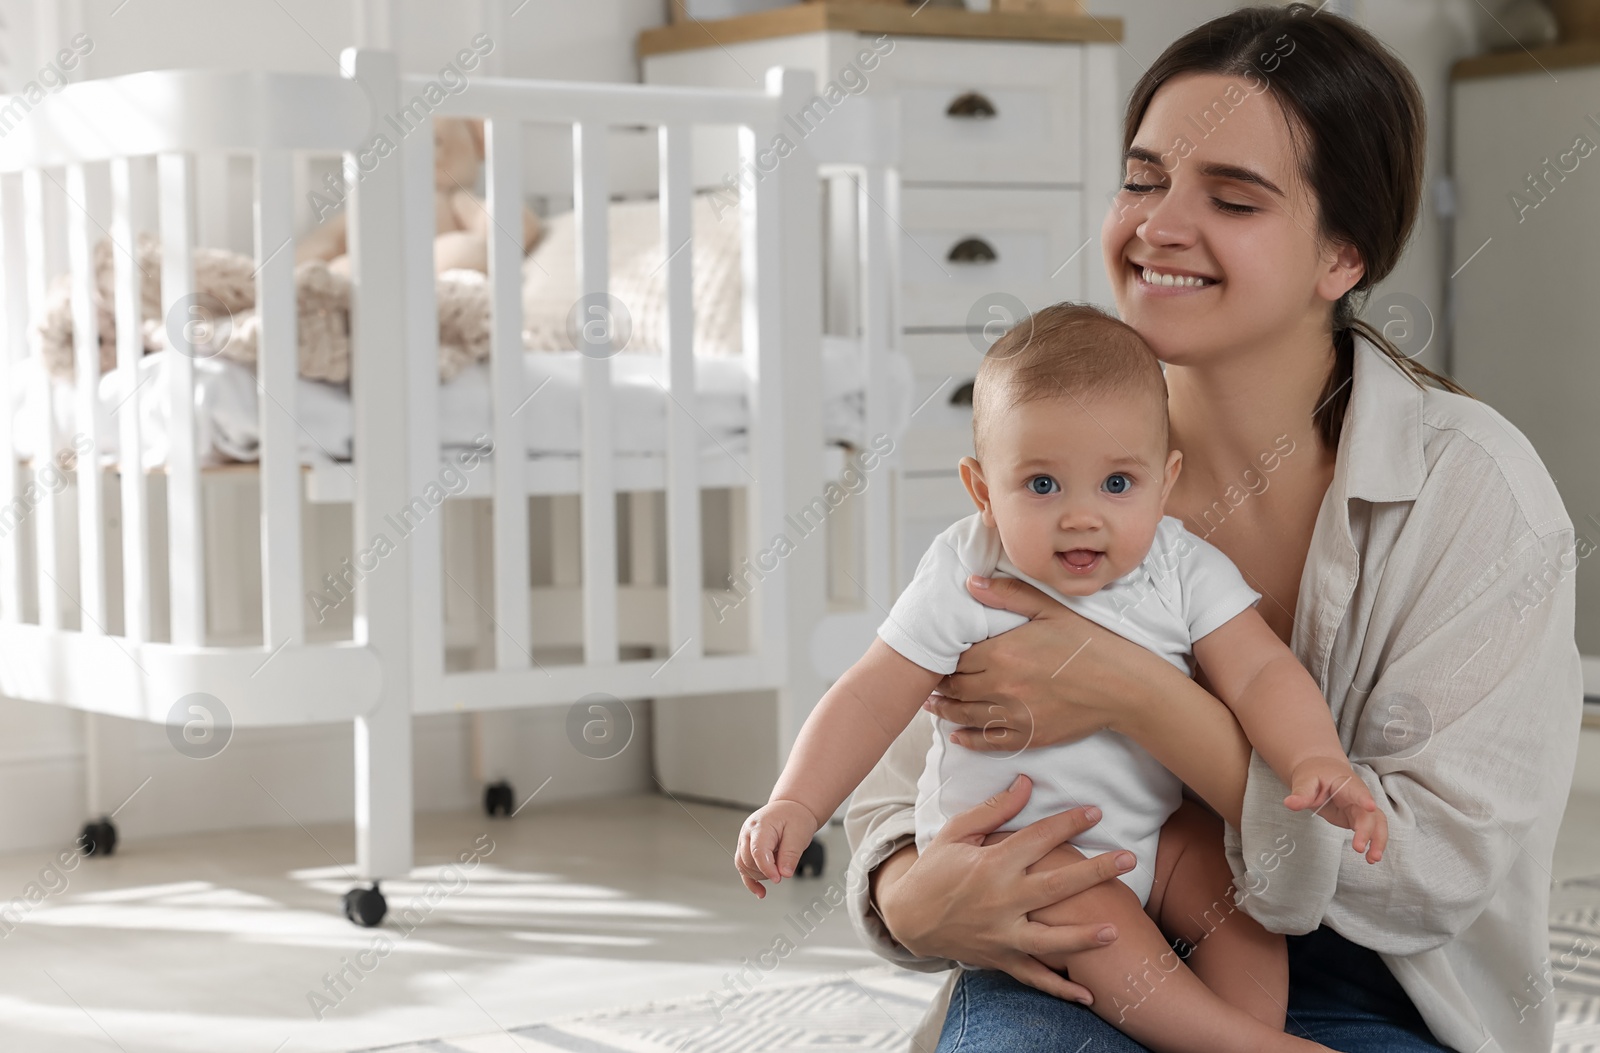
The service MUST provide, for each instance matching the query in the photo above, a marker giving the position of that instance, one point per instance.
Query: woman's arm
(963, 900)
(1061, 677)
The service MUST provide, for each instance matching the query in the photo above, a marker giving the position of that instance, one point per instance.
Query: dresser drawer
(925, 504)
(960, 247)
(954, 354)
(987, 111)
(939, 433)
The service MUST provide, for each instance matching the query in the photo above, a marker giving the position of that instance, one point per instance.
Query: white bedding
(228, 422)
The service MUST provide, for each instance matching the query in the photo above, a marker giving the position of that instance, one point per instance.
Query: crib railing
(86, 163)
(781, 342)
(106, 596)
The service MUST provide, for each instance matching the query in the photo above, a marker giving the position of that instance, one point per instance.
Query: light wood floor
(216, 942)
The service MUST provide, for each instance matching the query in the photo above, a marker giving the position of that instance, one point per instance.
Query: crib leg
(109, 780)
(383, 789)
(493, 746)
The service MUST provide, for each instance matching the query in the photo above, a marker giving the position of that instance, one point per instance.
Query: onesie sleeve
(1212, 588)
(936, 619)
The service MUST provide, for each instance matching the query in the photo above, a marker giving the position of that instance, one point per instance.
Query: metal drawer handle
(973, 105)
(972, 250)
(962, 396)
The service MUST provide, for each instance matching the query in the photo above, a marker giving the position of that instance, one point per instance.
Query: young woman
(1408, 544)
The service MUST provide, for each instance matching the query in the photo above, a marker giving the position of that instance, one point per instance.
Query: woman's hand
(1058, 678)
(969, 901)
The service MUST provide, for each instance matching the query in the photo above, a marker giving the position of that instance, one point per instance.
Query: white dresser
(1008, 154)
(1526, 132)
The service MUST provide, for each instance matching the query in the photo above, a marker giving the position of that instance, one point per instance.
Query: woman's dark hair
(1357, 118)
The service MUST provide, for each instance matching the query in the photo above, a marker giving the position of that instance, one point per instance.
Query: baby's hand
(1328, 785)
(770, 843)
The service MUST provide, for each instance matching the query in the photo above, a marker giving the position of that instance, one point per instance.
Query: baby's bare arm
(849, 731)
(1276, 702)
(1287, 721)
(851, 728)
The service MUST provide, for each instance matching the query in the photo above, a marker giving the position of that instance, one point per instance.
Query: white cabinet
(1008, 155)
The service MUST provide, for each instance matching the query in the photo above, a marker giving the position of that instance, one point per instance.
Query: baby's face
(1075, 487)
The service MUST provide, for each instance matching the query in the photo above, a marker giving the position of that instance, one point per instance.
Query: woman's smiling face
(1211, 244)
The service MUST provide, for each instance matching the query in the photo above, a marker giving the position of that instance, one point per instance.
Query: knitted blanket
(220, 318)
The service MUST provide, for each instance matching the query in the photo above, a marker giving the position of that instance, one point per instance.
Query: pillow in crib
(638, 279)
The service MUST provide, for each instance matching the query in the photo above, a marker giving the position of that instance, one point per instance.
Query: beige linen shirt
(1436, 612)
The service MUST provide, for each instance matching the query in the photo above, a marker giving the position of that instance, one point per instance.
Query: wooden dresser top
(878, 19)
(1519, 61)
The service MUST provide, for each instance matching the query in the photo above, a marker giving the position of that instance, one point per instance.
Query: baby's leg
(1141, 987)
(1193, 898)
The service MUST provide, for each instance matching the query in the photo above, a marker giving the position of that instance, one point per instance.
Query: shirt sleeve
(881, 820)
(1467, 740)
(935, 619)
(1213, 589)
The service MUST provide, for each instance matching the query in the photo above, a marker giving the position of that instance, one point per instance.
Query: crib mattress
(228, 420)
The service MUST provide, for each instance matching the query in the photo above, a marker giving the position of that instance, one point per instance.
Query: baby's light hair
(1066, 349)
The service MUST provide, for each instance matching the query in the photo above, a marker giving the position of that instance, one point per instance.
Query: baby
(1071, 479)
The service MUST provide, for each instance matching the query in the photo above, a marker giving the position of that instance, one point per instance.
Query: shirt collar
(1380, 454)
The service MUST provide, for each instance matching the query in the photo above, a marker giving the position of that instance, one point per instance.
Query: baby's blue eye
(1117, 483)
(1042, 484)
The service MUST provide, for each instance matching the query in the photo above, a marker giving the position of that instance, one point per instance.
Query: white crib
(122, 614)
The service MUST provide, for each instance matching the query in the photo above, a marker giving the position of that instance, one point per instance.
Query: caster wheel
(498, 798)
(812, 860)
(99, 837)
(365, 906)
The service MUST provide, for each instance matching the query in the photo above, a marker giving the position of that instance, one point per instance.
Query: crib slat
(770, 410)
(683, 462)
(596, 320)
(135, 511)
(758, 264)
(426, 537)
(46, 557)
(508, 373)
(277, 369)
(86, 362)
(12, 351)
(782, 315)
(878, 339)
(180, 310)
(33, 192)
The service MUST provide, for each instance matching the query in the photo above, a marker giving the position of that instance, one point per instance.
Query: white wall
(1430, 35)
(557, 39)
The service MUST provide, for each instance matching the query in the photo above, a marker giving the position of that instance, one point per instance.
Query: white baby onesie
(1182, 590)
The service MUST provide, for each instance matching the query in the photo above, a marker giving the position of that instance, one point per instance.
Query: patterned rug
(878, 1008)
(1574, 978)
(864, 1009)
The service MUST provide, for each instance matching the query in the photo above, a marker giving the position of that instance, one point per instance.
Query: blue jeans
(1340, 995)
